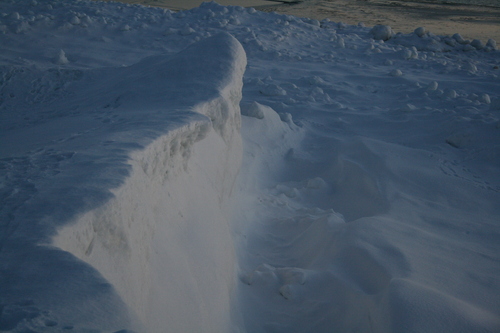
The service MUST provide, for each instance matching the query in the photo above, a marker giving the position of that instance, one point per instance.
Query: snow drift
(367, 198)
(161, 237)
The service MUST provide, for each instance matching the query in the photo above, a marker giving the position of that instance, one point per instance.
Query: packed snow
(222, 169)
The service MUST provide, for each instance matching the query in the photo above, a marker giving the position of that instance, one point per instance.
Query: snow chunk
(477, 44)
(341, 42)
(411, 53)
(61, 59)
(396, 72)
(272, 90)
(469, 66)
(420, 32)
(450, 93)
(492, 44)
(460, 39)
(382, 32)
(15, 16)
(186, 31)
(485, 98)
(254, 110)
(286, 117)
(234, 21)
(314, 80)
(432, 86)
(169, 31)
(409, 107)
(75, 20)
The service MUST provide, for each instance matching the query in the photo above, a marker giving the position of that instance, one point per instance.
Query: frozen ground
(472, 19)
(190, 4)
(227, 170)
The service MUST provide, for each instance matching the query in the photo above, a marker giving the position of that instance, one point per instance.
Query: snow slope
(361, 193)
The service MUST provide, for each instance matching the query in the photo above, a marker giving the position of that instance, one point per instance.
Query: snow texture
(357, 189)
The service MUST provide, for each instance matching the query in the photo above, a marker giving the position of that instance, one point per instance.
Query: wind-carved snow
(144, 197)
(367, 198)
(167, 225)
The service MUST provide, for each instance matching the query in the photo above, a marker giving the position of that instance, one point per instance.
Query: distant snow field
(227, 170)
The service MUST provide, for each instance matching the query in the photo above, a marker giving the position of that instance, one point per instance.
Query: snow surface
(357, 189)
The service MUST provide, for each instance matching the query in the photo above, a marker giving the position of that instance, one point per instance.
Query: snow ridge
(141, 190)
(173, 206)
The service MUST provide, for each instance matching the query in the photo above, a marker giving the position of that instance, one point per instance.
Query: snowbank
(156, 227)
